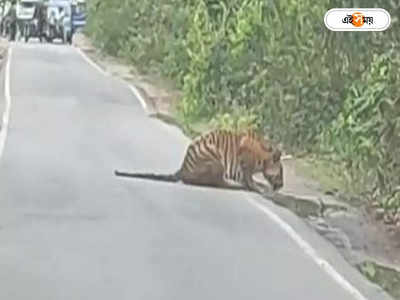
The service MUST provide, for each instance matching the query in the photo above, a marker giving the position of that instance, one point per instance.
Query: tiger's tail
(161, 177)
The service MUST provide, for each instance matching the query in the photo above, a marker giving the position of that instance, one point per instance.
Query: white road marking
(133, 89)
(304, 246)
(7, 106)
(91, 62)
(139, 97)
(308, 249)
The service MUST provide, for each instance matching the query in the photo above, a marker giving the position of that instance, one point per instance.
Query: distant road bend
(70, 229)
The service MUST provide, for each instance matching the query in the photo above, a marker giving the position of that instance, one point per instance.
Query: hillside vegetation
(273, 64)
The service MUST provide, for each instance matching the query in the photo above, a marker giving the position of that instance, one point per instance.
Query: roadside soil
(356, 230)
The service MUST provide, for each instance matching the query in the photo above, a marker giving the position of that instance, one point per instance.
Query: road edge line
(7, 107)
(91, 62)
(137, 94)
(308, 249)
(132, 88)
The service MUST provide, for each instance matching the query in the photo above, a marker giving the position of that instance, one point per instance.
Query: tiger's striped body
(219, 147)
(221, 158)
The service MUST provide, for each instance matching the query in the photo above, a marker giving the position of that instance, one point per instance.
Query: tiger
(226, 159)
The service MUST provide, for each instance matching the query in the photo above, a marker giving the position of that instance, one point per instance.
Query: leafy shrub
(239, 119)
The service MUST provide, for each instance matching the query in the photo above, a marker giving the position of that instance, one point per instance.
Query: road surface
(70, 230)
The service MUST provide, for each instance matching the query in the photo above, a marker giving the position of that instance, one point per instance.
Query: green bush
(237, 120)
(273, 65)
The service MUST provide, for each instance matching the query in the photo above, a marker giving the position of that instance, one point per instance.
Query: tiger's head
(265, 158)
(270, 164)
(273, 170)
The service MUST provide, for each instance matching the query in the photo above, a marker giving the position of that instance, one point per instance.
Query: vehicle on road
(28, 24)
(57, 25)
(30, 18)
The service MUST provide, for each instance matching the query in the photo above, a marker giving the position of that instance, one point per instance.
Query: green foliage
(273, 64)
(237, 120)
(383, 276)
(364, 134)
(369, 270)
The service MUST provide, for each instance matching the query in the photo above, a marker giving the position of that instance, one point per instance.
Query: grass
(385, 277)
(330, 176)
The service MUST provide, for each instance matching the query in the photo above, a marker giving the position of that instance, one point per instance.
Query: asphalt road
(70, 230)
